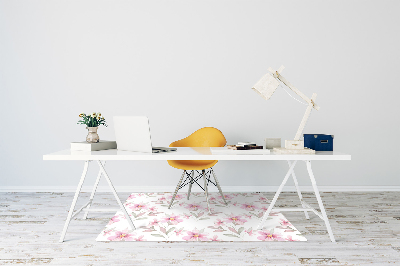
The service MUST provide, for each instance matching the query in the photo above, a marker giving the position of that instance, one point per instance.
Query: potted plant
(92, 123)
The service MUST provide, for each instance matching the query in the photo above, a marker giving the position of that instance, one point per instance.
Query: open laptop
(133, 134)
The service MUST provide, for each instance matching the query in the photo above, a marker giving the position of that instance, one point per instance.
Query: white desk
(193, 154)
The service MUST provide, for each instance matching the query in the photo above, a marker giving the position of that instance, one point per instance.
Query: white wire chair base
(191, 179)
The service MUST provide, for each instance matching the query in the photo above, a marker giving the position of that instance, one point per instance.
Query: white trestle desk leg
(299, 192)
(321, 205)
(71, 210)
(128, 218)
(93, 192)
(276, 195)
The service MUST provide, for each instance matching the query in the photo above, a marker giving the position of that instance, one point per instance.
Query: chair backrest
(204, 137)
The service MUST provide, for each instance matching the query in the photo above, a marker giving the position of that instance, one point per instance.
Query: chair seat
(192, 164)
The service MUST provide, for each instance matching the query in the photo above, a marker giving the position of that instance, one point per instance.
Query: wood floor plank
(366, 227)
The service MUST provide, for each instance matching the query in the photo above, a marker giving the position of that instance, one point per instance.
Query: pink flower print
(250, 232)
(153, 223)
(264, 208)
(248, 216)
(132, 196)
(193, 207)
(268, 236)
(138, 207)
(140, 238)
(195, 236)
(162, 198)
(177, 197)
(290, 238)
(226, 196)
(186, 216)
(215, 238)
(212, 199)
(261, 198)
(235, 219)
(107, 232)
(173, 219)
(218, 222)
(152, 209)
(285, 223)
(248, 207)
(121, 236)
(113, 220)
(178, 232)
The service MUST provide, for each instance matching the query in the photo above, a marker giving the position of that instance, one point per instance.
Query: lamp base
(293, 151)
(294, 144)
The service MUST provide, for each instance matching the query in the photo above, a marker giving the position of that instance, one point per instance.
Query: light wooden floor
(366, 226)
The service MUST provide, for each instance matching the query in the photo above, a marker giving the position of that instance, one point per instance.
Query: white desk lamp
(266, 86)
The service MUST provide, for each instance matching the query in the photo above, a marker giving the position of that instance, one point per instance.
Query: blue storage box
(318, 142)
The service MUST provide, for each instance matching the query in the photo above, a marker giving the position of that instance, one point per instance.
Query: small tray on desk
(226, 150)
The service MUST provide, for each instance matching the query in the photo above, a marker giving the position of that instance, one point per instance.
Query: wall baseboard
(196, 189)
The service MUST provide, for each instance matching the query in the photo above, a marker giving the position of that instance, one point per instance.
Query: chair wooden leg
(219, 187)
(176, 190)
(190, 184)
(206, 190)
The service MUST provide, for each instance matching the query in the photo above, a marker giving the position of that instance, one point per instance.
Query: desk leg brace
(321, 205)
(128, 218)
(93, 192)
(305, 206)
(71, 210)
(71, 213)
(276, 196)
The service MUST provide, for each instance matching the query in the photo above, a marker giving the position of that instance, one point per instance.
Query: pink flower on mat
(162, 198)
(285, 222)
(212, 199)
(140, 238)
(113, 220)
(268, 236)
(290, 238)
(121, 236)
(249, 207)
(226, 196)
(214, 238)
(250, 232)
(138, 207)
(132, 196)
(179, 232)
(153, 223)
(152, 209)
(107, 232)
(178, 196)
(235, 219)
(195, 236)
(218, 222)
(261, 198)
(173, 219)
(193, 207)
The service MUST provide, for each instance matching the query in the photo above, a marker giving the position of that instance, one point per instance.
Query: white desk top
(184, 153)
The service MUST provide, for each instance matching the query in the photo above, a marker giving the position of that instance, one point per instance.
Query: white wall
(189, 64)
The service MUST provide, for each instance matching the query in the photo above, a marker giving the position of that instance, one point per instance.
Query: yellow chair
(204, 137)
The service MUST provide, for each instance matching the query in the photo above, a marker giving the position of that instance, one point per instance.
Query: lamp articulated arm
(311, 102)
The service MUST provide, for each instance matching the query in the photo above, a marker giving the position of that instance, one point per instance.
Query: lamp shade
(266, 86)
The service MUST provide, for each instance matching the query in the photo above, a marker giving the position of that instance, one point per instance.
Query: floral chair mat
(189, 220)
